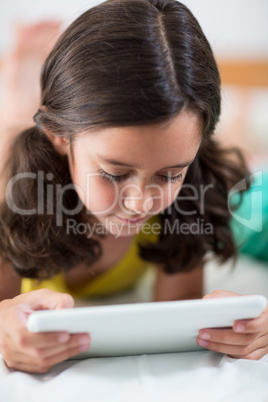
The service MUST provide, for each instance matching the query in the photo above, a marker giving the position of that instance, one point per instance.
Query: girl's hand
(248, 339)
(36, 352)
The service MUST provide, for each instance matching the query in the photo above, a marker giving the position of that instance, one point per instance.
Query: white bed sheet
(193, 376)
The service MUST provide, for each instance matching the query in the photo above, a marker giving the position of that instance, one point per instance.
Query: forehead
(175, 141)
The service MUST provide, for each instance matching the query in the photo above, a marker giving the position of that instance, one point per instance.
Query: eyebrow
(118, 163)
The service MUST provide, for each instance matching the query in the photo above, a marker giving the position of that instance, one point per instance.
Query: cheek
(98, 197)
(172, 192)
(101, 199)
(173, 195)
(168, 194)
(163, 199)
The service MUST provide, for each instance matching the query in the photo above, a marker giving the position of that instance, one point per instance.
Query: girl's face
(125, 175)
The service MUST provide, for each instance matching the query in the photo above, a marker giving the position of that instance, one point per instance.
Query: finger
(22, 366)
(22, 337)
(40, 360)
(25, 339)
(226, 336)
(234, 350)
(18, 313)
(81, 341)
(47, 363)
(45, 340)
(45, 299)
(10, 351)
(252, 326)
(220, 293)
(15, 357)
(255, 355)
(51, 300)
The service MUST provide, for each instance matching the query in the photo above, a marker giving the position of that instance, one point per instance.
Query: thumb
(46, 299)
(220, 293)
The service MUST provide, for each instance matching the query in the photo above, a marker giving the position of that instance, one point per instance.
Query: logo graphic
(252, 202)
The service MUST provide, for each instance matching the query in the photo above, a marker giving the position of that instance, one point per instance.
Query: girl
(120, 171)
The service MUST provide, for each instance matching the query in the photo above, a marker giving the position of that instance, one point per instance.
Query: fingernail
(204, 335)
(64, 337)
(85, 347)
(239, 328)
(201, 342)
(84, 340)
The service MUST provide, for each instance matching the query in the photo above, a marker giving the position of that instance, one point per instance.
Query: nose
(138, 204)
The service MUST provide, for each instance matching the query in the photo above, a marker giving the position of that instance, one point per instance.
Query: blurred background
(237, 31)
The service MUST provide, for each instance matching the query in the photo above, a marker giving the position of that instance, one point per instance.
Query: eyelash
(112, 178)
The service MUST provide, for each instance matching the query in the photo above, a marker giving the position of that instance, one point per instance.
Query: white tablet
(142, 328)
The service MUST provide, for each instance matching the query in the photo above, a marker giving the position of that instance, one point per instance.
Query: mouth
(132, 221)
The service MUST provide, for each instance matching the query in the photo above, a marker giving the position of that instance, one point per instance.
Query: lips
(131, 220)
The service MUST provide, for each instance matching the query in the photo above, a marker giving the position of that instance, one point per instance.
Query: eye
(170, 179)
(112, 178)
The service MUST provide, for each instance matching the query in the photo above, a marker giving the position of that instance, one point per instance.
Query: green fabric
(251, 235)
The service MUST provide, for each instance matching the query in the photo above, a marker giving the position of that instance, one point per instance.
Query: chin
(124, 230)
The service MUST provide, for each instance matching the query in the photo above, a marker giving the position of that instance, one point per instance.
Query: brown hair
(121, 63)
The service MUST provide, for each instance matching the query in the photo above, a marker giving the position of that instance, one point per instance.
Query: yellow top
(118, 278)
